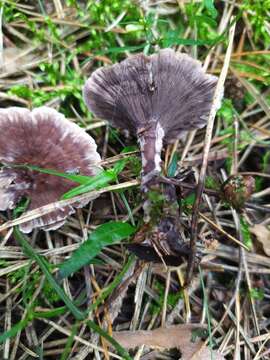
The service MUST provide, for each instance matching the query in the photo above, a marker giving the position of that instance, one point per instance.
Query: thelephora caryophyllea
(44, 138)
(157, 98)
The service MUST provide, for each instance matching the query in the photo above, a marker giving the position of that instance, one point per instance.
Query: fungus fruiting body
(158, 98)
(46, 139)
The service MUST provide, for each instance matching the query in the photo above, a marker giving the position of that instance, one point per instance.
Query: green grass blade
(15, 329)
(116, 281)
(96, 182)
(130, 215)
(121, 351)
(68, 346)
(80, 179)
(29, 251)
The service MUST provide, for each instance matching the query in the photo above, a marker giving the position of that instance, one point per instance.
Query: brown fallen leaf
(176, 336)
(262, 234)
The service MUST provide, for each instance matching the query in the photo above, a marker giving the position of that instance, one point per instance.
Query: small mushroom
(46, 139)
(157, 97)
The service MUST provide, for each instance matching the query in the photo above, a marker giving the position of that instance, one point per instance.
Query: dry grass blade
(215, 226)
(207, 143)
(30, 215)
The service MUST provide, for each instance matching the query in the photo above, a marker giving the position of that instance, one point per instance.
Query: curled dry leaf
(182, 337)
(262, 234)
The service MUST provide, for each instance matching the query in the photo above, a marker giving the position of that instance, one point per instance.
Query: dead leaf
(176, 336)
(262, 234)
(14, 59)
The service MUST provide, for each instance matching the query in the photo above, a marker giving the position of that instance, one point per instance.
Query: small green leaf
(265, 161)
(119, 166)
(212, 183)
(209, 4)
(257, 294)
(202, 19)
(21, 207)
(98, 181)
(246, 233)
(227, 111)
(173, 165)
(188, 202)
(107, 234)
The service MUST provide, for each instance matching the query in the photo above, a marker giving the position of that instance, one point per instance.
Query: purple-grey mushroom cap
(168, 88)
(46, 139)
(157, 97)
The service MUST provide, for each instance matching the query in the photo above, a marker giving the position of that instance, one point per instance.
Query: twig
(215, 226)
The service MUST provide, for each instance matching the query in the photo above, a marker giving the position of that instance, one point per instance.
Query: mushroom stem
(150, 141)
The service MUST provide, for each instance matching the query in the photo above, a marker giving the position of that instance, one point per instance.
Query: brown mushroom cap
(168, 88)
(46, 139)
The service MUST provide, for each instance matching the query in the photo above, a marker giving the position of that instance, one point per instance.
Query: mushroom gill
(46, 139)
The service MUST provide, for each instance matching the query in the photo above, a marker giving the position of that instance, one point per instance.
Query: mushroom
(46, 139)
(158, 98)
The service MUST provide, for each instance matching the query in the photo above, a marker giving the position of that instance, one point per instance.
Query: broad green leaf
(106, 234)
